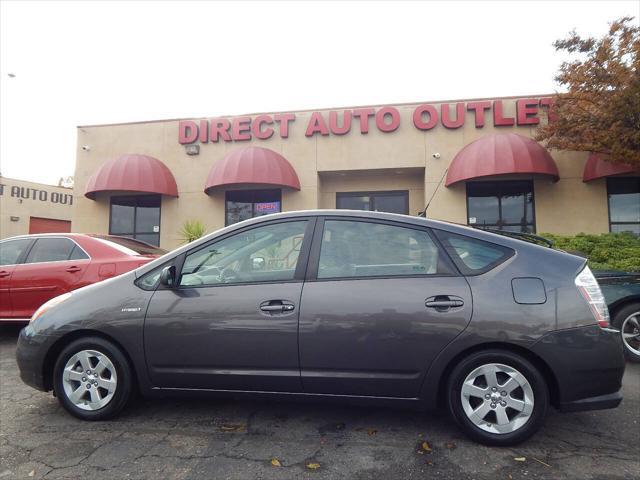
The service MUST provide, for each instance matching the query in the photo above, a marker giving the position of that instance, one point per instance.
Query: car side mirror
(168, 276)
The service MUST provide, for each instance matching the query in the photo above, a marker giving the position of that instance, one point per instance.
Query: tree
(600, 112)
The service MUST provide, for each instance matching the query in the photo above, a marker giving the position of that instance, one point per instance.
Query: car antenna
(423, 213)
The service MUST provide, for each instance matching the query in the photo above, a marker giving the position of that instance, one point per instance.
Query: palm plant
(191, 230)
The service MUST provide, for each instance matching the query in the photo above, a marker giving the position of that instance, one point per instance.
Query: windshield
(130, 246)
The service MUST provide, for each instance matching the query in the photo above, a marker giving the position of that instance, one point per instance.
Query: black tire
(618, 319)
(522, 365)
(123, 384)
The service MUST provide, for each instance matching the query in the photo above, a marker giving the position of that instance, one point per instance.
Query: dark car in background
(622, 293)
(36, 268)
(377, 308)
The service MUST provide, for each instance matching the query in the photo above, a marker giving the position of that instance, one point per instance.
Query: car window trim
(314, 260)
(301, 264)
(35, 240)
(22, 257)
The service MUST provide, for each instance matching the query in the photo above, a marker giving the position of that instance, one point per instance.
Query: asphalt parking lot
(225, 439)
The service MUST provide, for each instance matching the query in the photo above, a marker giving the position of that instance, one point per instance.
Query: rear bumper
(588, 364)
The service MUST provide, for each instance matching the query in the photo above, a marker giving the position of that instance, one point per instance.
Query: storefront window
(624, 204)
(244, 204)
(392, 202)
(136, 217)
(503, 205)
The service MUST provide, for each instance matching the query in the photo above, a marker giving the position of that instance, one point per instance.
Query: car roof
(44, 235)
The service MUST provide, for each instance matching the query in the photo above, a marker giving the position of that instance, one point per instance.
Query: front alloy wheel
(92, 379)
(497, 397)
(627, 319)
(631, 333)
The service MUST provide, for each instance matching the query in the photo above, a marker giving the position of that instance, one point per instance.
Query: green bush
(609, 251)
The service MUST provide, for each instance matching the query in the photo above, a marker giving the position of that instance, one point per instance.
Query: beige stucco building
(473, 161)
(29, 207)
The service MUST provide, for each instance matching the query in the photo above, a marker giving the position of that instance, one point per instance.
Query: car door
(12, 252)
(53, 266)
(381, 301)
(231, 322)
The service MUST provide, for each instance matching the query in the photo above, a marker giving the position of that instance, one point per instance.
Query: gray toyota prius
(373, 307)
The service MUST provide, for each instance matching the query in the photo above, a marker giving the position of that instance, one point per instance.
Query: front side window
(624, 204)
(263, 254)
(364, 249)
(245, 204)
(503, 205)
(473, 256)
(136, 217)
(54, 250)
(12, 250)
(391, 202)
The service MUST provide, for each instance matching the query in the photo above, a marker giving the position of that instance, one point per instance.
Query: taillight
(590, 290)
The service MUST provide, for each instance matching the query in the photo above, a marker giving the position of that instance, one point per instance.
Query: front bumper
(588, 364)
(30, 355)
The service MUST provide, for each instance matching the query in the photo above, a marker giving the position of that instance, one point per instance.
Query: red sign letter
(220, 128)
(446, 121)
(346, 123)
(316, 125)
(204, 131)
(364, 114)
(240, 128)
(256, 127)
(283, 119)
(418, 117)
(395, 119)
(187, 131)
(498, 119)
(527, 109)
(479, 108)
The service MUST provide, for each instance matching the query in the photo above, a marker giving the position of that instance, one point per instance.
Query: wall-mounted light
(192, 149)
(14, 219)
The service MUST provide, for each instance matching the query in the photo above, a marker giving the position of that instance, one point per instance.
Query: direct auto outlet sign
(384, 119)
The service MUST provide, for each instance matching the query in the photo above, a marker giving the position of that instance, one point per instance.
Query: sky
(64, 64)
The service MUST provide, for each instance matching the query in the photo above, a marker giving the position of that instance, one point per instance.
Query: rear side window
(51, 250)
(364, 249)
(473, 256)
(78, 254)
(12, 250)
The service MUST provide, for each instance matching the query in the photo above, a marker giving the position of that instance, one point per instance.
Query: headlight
(51, 303)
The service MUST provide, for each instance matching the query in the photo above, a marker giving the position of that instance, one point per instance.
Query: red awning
(132, 173)
(596, 168)
(501, 154)
(252, 166)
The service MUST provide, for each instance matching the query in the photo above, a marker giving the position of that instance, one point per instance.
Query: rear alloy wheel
(92, 379)
(497, 397)
(627, 319)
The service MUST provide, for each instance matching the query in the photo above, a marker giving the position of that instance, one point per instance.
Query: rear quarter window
(473, 256)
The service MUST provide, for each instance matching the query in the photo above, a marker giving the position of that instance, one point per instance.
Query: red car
(36, 268)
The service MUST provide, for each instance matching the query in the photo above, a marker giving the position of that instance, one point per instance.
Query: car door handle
(443, 302)
(4, 273)
(73, 269)
(276, 306)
